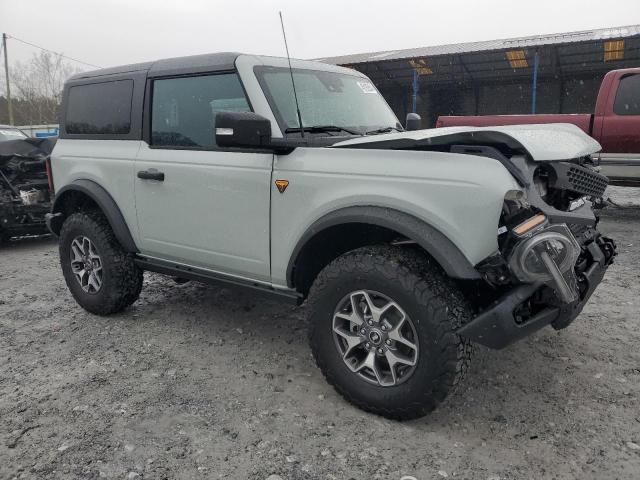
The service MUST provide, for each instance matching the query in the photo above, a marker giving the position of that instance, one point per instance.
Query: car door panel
(620, 136)
(196, 204)
(211, 210)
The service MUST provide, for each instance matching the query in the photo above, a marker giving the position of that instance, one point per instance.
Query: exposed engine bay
(548, 240)
(25, 195)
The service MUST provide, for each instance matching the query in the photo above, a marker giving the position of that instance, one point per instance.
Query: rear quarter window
(628, 96)
(100, 108)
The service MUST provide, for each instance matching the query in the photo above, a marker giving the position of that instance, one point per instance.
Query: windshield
(326, 99)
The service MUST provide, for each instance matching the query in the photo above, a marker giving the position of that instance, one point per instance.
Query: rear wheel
(383, 331)
(102, 277)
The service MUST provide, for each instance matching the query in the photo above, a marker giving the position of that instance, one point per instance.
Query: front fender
(459, 196)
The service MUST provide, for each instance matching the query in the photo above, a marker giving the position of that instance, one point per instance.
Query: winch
(546, 254)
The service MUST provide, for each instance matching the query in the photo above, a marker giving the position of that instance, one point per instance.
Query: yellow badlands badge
(282, 185)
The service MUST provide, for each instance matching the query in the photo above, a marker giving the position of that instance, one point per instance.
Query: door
(620, 137)
(196, 204)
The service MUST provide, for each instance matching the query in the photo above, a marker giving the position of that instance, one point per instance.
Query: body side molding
(202, 275)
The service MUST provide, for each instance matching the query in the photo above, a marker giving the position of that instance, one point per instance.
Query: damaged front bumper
(529, 307)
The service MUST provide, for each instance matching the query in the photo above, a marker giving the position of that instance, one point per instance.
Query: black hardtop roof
(169, 66)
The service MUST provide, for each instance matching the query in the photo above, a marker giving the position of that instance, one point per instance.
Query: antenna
(293, 83)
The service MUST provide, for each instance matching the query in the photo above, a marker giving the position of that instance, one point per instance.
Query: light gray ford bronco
(408, 245)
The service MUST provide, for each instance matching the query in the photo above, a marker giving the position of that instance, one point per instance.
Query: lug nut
(384, 328)
(388, 342)
(363, 331)
(380, 351)
(367, 345)
(370, 322)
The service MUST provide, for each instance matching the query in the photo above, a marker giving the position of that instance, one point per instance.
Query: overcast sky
(112, 32)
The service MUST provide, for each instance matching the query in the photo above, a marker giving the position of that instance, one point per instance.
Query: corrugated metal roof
(458, 48)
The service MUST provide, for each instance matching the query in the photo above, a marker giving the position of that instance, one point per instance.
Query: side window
(183, 110)
(100, 108)
(628, 96)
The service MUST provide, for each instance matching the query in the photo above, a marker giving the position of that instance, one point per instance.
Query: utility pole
(6, 73)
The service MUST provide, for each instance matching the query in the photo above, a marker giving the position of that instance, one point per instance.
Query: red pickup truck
(615, 124)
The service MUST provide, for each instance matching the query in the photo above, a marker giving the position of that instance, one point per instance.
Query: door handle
(151, 174)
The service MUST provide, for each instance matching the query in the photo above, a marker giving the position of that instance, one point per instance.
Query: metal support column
(414, 97)
(534, 89)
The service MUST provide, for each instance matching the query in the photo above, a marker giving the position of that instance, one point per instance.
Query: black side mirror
(414, 122)
(242, 129)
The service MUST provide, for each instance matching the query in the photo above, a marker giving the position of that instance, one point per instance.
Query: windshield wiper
(382, 130)
(323, 128)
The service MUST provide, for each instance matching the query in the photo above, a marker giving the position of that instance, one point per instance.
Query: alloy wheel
(86, 264)
(375, 338)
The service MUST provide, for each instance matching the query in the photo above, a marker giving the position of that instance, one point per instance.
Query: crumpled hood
(547, 142)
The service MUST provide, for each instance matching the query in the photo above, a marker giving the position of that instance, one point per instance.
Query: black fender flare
(434, 242)
(105, 202)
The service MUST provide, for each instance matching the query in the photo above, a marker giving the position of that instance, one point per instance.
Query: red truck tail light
(49, 174)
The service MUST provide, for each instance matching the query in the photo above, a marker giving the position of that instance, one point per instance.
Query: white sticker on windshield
(367, 87)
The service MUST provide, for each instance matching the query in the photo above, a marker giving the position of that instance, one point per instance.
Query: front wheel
(102, 277)
(383, 331)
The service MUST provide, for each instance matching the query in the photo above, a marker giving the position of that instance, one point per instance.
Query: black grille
(576, 178)
(586, 181)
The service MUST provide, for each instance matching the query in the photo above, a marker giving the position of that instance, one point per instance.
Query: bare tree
(38, 82)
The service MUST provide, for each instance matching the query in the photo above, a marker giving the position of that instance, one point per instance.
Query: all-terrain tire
(121, 277)
(435, 306)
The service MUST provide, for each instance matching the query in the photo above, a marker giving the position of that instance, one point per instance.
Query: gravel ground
(202, 382)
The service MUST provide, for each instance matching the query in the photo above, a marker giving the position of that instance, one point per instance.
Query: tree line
(36, 89)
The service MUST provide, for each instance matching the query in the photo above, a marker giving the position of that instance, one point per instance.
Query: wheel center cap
(375, 337)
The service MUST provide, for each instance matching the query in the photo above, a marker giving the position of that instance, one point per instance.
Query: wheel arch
(380, 221)
(83, 192)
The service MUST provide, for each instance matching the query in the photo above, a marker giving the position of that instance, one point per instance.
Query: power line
(51, 51)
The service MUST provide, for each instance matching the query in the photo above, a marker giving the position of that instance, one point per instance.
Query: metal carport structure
(556, 73)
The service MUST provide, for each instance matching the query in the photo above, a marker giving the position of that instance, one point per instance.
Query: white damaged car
(407, 245)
